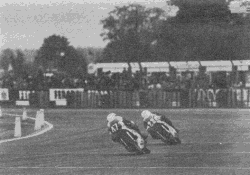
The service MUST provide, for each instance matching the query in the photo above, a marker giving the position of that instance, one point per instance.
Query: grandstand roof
(156, 66)
(241, 62)
(215, 66)
(242, 65)
(183, 66)
(113, 67)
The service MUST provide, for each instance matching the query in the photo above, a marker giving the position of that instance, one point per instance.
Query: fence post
(179, 98)
(229, 97)
(42, 99)
(93, 99)
(190, 98)
(116, 99)
(183, 98)
(156, 96)
(245, 97)
(73, 99)
(125, 99)
(89, 99)
(173, 99)
(81, 99)
(236, 98)
(33, 99)
(84, 99)
(111, 99)
(241, 98)
(233, 98)
(160, 95)
(78, 99)
(167, 99)
(136, 99)
(121, 97)
(130, 99)
(248, 97)
(163, 99)
(232, 101)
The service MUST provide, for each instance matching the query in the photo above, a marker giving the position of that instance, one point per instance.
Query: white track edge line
(75, 167)
(50, 126)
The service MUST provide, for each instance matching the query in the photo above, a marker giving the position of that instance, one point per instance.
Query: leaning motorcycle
(128, 139)
(165, 132)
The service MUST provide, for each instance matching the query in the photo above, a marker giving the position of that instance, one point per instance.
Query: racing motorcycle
(165, 132)
(128, 139)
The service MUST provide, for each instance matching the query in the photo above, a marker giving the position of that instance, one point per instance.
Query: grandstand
(192, 66)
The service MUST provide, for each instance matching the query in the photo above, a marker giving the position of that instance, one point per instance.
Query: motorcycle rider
(114, 124)
(149, 118)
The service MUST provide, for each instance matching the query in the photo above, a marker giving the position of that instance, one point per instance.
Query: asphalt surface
(214, 141)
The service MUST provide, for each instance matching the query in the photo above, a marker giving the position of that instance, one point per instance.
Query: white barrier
(50, 126)
(42, 116)
(39, 121)
(24, 117)
(17, 131)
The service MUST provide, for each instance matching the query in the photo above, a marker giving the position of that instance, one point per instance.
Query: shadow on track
(162, 144)
(157, 144)
(121, 155)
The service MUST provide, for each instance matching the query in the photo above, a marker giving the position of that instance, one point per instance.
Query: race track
(214, 141)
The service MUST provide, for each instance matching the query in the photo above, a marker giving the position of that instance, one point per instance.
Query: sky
(24, 24)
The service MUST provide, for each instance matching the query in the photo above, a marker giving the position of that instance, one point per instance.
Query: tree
(195, 41)
(113, 52)
(90, 54)
(56, 53)
(70, 62)
(51, 51)
(18, 64)
(202, 10)
(130, 30)
(7, 58)
(202, 30)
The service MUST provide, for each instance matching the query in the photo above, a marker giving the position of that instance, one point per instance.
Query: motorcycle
(128, 140)
(166, 133)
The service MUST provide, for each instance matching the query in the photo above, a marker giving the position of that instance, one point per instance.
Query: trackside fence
(78, 98)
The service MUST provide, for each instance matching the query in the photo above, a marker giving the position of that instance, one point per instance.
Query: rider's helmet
(146, 114)
(111, 117)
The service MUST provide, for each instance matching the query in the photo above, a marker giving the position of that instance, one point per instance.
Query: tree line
(55, 55)
(201, 30)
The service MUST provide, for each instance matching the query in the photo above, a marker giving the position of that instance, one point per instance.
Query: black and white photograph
(132, 87)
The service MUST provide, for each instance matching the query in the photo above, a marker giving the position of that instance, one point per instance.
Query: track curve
(214, 142)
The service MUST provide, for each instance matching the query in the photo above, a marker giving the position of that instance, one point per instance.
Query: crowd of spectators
(120, 81)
